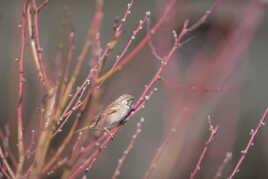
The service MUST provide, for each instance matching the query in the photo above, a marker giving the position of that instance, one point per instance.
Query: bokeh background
(215, 58)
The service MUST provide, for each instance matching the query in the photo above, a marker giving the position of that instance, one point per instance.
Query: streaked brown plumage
(111, 116)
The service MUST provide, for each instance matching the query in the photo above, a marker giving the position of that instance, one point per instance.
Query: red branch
(38, 43)
(92, 158)
(140, 101)
(119, 66)
(156, 77)
(117, 33)
(67, 113)
(20, 91)
(74, 108)
(43, 4)
(135, 32)
(213, 131)
(140, 45)
(250, 144)
(144, 96)
(130, 146)
(123, 20)
(173, 130)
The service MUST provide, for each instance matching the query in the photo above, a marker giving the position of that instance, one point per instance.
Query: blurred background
(228, 51)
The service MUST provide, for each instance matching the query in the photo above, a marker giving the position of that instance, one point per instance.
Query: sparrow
(111, 116)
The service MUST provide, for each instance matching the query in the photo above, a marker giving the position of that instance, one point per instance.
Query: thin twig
(40, 50)
(10, 171)
(117, 34)
(44, 3)
(135, 32)
(20, 91)
(157, 76)
(97, 19)
(33, 45)
(82, 164)
(139, 46)
(213, 131)
(129, 147)
(141, 100)
(250, 144)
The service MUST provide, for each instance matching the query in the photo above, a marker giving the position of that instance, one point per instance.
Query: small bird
(111, 116)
